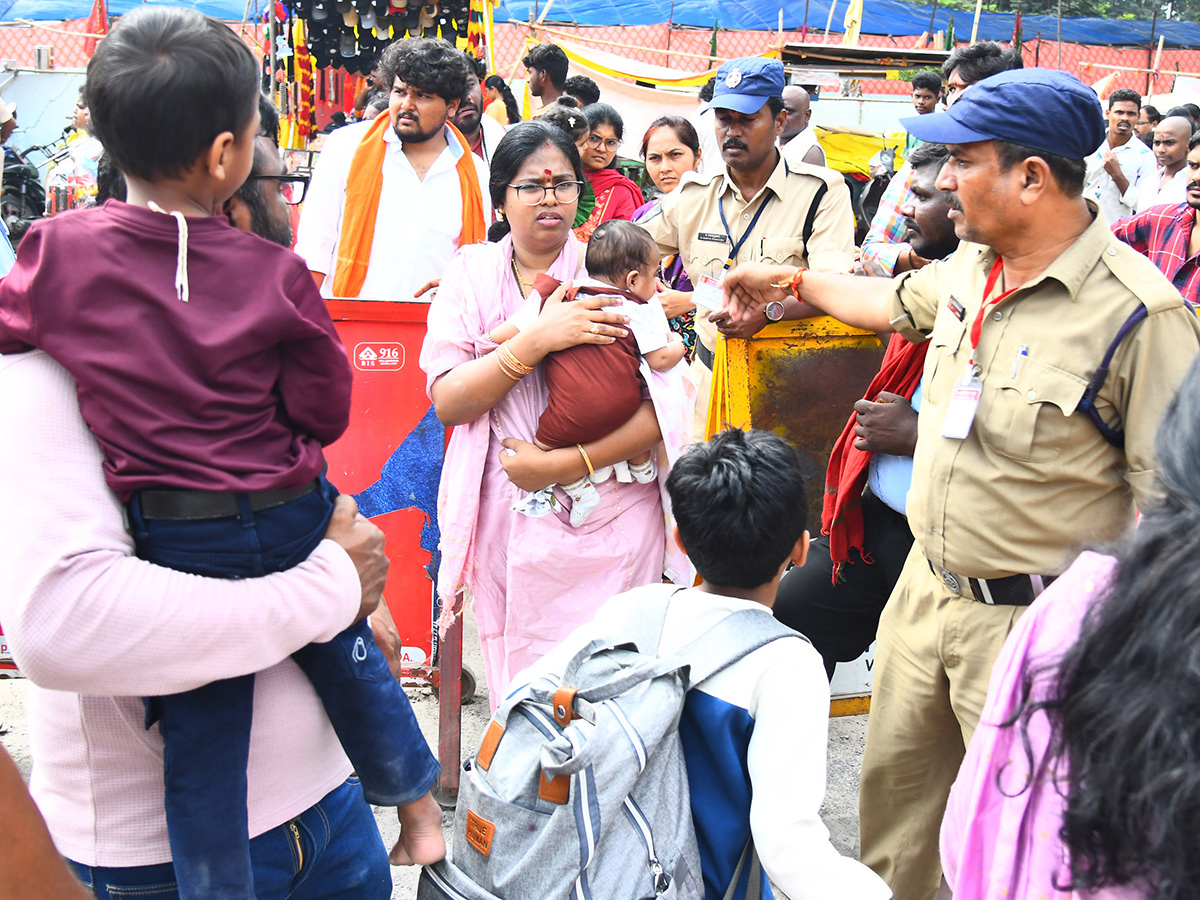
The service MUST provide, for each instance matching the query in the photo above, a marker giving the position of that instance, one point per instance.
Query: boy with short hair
(740, 512)
(209, 371)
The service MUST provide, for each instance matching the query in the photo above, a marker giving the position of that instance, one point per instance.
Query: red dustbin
(390, 459)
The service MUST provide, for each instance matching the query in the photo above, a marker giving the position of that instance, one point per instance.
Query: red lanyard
(977, 325)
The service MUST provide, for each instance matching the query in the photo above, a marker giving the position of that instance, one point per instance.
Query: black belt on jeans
(1012, 590)
(705, 355)
(186, 505)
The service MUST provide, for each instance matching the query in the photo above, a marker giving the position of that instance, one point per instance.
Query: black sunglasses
(291, 186)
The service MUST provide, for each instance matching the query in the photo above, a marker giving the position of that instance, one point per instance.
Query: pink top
(236, 389)
(95, 629)
(1005, 844)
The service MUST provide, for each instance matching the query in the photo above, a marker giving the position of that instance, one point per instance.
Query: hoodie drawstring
(182, 289)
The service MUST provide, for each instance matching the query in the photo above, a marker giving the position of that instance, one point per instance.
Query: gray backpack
(579, 789)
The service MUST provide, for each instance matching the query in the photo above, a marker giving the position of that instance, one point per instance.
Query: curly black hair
(1125, 715)
(429, 64)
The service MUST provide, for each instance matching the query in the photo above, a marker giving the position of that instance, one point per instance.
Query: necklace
(521, 282)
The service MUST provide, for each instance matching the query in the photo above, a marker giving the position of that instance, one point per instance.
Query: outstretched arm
(861, 302)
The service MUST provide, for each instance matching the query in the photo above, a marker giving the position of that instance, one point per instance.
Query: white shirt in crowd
(419, 220)
(705, 122)
(1140, 169)
(795, 149)
(493, 132)
(1173, 192)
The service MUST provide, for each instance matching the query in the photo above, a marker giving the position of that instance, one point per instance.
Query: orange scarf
(363, 187)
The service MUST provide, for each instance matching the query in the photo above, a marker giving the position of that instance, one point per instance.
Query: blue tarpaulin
(887, 17)
(58, 10)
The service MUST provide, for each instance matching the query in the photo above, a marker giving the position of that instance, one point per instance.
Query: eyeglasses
(533, 194)
(596, 142)
(292, 187)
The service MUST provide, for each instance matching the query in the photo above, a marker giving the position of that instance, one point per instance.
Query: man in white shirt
(482, 132)
(1122, 175)
(1170, 149)
(428, 190)
(706, 129)
(798, 141)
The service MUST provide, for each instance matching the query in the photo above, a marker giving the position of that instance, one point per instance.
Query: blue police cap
(1037, 108)
(744, 85)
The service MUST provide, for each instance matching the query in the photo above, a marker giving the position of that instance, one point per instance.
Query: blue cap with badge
(1036, 108)
(745, 84)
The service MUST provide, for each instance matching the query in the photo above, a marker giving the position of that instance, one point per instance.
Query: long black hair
(1125, 716)
(496, 83)
(520, 143)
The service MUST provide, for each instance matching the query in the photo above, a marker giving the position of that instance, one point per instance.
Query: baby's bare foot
(421, 842)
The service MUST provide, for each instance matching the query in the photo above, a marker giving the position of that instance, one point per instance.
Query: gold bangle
(511, 358)
(587, 460)
(504, 368)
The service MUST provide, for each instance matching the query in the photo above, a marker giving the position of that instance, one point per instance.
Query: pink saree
(533, 581)
(1000, 838)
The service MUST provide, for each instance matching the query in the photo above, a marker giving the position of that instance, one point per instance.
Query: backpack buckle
(564, 705)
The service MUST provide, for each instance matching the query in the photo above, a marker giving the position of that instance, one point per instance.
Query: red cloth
(841, 517)
(616, 198)
(593, 389)
(236, 390)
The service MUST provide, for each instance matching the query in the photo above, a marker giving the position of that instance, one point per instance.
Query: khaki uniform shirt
(688, 222)
(1034, 481)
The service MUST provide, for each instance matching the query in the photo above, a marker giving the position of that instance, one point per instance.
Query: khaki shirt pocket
(783, 251)
(706, 258)
(1027, 417)
(945, 365)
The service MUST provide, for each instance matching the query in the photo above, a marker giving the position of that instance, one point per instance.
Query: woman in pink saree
(1083, 778)
(534, 580)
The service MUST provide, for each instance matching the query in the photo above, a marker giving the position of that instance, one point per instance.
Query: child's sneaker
(584, 499)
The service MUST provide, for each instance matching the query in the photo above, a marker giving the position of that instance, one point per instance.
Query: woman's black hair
(684, 130)
(520, 143)
(602, 114)
(1125, 714)
(510, 102)
(164, 85)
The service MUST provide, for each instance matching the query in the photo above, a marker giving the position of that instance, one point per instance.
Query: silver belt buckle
(950, 580)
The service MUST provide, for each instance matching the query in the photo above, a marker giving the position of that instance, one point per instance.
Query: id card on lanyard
(708, 292)
(964, 399)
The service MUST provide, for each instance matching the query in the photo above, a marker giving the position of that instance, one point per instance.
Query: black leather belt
(186, 505)
(1012, 590)
(705, 355)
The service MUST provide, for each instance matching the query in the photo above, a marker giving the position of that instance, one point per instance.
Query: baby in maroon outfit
(595, 388)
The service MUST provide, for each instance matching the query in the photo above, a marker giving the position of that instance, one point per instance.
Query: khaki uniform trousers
(933, 659)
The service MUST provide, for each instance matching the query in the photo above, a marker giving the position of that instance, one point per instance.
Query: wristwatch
(773, 311)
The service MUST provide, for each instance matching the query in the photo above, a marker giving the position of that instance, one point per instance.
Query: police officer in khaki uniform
(1019, 462)
(758, 207)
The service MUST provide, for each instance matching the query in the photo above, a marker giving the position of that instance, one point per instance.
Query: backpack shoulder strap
(1087, 403)
(736, 636)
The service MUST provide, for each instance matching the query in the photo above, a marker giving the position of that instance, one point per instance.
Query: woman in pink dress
(1083, 777)
(534, 580)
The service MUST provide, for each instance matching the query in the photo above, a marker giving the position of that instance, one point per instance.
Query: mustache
(734, 144)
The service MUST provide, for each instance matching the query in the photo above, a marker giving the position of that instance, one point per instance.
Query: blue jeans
(335, 852)
(206, 731)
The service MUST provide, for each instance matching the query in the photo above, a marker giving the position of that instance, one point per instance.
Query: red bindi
(547, 174)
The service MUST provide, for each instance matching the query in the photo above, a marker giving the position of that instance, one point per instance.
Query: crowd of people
(212, 706)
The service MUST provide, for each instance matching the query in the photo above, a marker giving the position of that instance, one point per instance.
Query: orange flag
(97, 24)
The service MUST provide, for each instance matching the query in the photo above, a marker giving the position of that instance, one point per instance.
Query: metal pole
(1059, 66)
(271, 41)
(1150, 50)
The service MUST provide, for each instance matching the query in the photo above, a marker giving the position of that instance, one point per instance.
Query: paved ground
(840, 811)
